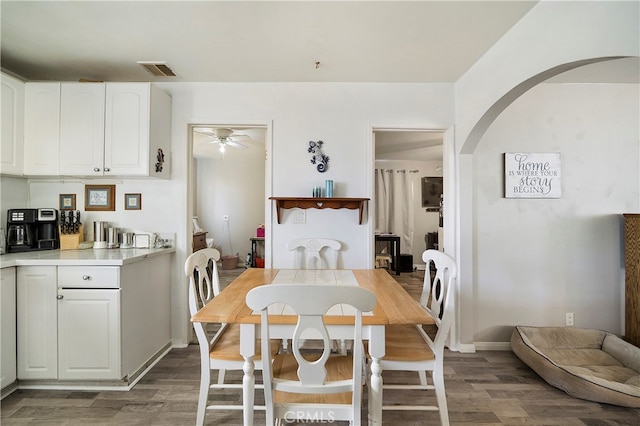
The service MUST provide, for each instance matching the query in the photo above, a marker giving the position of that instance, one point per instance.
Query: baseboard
(466, 348)
(9, 389)
(125, 384)
(493, 346)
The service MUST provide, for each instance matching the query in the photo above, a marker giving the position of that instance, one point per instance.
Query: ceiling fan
(224, 136)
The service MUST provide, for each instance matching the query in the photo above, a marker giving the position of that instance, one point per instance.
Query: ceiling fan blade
(235, 144)
(204, 131)
(211, 139)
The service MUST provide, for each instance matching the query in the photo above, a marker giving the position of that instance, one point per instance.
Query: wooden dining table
(395, 306)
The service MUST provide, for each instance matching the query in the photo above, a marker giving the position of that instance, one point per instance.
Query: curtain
(394, 210)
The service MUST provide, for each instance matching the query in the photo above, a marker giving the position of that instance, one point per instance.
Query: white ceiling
(265, 41)
(273, 41)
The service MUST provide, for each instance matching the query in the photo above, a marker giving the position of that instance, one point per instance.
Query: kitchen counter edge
(105, 257)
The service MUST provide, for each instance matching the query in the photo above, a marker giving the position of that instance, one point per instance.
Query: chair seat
(338, 368)
(227, 347)
(405, 343)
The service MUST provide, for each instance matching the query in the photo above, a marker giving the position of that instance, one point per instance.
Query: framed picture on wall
(431, 192)
(67, 202)
(99, 197)
(133, 201)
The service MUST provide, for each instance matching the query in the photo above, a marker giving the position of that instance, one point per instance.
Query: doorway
(403, 158)
(227, 184)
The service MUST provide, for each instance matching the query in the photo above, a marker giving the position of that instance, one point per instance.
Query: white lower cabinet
(8, 327)
(68, 334)
(92, 322)
(88, 334)
(37, 312)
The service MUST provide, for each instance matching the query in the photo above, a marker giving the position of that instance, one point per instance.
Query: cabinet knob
(60, 297)
(86, 277)
(106, 169)
(96, 169)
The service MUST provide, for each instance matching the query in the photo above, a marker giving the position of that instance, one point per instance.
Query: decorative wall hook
(317, 157)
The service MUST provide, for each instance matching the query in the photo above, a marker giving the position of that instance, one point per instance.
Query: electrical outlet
(569, 318)
(225, 217)
(299, 216)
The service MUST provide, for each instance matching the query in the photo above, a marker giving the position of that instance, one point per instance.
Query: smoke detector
(159, 69)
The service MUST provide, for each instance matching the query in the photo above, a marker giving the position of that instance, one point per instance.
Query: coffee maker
(32, 229)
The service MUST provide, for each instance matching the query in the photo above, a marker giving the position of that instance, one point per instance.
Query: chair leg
(221, 374)
(423, 378)
(205, 381)
(441, 396)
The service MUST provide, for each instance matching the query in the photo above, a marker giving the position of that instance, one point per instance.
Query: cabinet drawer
(88, 277)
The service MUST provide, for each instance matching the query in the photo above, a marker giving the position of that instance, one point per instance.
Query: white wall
(13, 195)
(575, 33)
(232, 186)
(342, 115)
(541, 258)
(523, 275)
(156, 214)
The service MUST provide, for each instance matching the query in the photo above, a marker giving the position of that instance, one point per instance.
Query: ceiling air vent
(160, 69)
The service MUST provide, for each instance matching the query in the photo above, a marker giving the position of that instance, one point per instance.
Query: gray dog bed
(585, 363)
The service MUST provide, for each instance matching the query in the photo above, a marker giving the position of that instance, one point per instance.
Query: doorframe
(268, 185)
(450, 193)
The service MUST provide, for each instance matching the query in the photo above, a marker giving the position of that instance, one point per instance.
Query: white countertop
(102, 257)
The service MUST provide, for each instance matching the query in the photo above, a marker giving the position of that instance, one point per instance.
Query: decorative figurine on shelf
(317, 157)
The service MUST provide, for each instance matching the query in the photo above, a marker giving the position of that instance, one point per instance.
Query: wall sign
(532, 175)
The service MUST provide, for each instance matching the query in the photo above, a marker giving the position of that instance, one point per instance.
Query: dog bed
(585, 363)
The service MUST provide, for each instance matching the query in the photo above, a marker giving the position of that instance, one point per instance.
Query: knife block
(71, 241)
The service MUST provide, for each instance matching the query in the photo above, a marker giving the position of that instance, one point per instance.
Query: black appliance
(32, 229)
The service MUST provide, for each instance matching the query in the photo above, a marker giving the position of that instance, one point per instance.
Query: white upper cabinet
(94, 129)
(137, 130)
(11, 139)
(82, 129)
(41, 128)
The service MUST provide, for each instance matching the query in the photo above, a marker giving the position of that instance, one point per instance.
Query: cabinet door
(42, 128)
(126, 149)
(82, 129)
(8, 327)
(37, 322)
(11, 139)
(89, 334)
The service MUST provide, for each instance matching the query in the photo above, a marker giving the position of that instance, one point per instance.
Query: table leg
(396, 261)
(376, 352)
(375, 393)
(248, 393)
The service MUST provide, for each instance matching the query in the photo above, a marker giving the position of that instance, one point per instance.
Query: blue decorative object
(328, 188)
(317, 157)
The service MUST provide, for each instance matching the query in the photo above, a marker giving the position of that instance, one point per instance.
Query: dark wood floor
(484, 388)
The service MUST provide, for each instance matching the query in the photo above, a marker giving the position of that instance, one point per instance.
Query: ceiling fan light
(222, 148)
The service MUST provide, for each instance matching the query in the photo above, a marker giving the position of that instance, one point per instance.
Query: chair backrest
(310, 302)
(204, 283)
(439, 292)
(315, 253)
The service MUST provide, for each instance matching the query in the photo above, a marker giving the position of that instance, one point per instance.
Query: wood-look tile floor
(484, 388)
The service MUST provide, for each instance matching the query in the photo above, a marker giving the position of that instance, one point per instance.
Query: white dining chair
(219, 350)
(312, 387)
(315, 253)
(409, 347)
